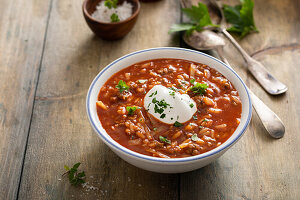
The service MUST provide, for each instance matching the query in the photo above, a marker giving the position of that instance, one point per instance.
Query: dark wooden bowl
(109, 31)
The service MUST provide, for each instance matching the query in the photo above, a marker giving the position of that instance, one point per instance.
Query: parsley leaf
(154, 93)
(114, 18)
(172, 93)
(122, 86)
(199, 17)
(164, 139)
(75, 177)
(192, 81)
(199, 88)
(111, 3)
(241, 17)
(195, 137)
(181, 27)
(191, 105)
(177, 124)
(130, 109)
(195, 117)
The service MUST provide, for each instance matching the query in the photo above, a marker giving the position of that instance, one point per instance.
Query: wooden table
(48, 58)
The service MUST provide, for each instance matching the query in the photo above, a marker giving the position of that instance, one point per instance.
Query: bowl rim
(108, 140)
(86, 13)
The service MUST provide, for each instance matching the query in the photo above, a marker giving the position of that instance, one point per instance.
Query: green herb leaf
(241, 17)
(191, 105)
(172, 93)
(67, 168)
(195, 137)
(154, 93)
(192, 81)
(122, 86)
(164, 139)
(199, 17)
(178, 124)
(155, 129)
(195, 117)
(199, 88)
(111, 3)
(75, 177)
(114, 18)
(181, 27)
(131, 109)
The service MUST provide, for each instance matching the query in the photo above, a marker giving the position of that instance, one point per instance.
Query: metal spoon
(209, 40)
(266, 80)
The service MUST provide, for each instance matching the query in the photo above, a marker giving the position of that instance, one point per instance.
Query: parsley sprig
(75, 177)
(178, 124)
(199, 88)
(199, 18)
(111, 3)
(122, 86)
(131, 109)
(241, 17)
(114, 18)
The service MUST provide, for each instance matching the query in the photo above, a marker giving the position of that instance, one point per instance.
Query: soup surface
(169, 108)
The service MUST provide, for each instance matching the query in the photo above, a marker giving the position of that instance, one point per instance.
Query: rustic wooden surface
(48, 58)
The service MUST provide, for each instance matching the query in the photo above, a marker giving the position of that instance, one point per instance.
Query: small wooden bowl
(109, 31)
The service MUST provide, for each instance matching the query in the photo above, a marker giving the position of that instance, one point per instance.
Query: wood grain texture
(60, 132)
(259, 167)
(22, 33)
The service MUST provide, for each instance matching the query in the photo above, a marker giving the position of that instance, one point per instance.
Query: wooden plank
(259, 167)
(22, 32)
(61, 133)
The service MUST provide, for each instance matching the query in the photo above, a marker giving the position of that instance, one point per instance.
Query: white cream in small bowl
(167, 165)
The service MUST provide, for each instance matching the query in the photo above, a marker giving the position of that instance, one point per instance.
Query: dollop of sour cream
(169, 106)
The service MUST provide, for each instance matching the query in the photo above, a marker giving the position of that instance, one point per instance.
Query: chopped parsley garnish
(193, 81)
(75, 177)
(122, 86)
(177, 124)
(142, 81)
(195, 137)
(114, 18)
(155, 129)
(191, 105)
(172, 93)
(131, 109)
(195, 117)
(154, 93)
(199, 88)
(204, 120)
(164, 139)
(160, 106)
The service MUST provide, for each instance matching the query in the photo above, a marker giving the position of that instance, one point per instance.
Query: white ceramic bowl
(163, 165)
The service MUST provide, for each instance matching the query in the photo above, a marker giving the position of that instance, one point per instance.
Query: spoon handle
(269, 119)
(267, 81)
